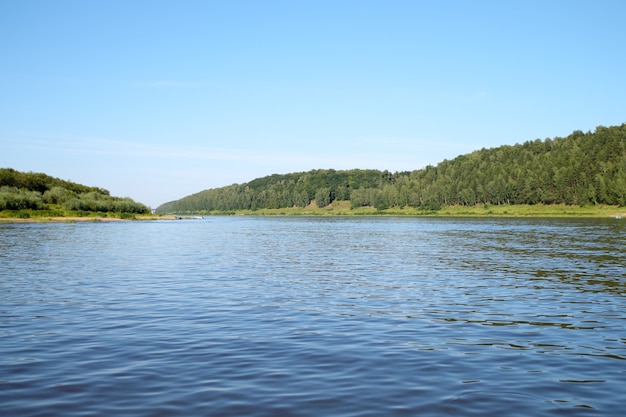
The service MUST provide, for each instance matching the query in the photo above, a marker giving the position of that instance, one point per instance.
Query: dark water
(314, 316)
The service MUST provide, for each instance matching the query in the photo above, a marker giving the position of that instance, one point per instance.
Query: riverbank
(81, 219)
(342, 208)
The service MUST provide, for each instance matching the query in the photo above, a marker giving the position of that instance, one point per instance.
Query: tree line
(278, 191)
(582, 168)
(37, 191)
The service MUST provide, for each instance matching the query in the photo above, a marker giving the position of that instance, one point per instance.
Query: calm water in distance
(290, 316)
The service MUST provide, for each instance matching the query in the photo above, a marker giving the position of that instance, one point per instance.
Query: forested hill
(582, 168)
(41, 192)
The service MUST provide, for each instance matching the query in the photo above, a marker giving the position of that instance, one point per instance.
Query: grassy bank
(67, 216)
(537, 210)
(342, 208)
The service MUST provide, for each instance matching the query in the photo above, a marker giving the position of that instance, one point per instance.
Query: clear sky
(156, 100)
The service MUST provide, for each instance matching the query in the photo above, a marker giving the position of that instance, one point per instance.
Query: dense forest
(582, 168)
(21, 191)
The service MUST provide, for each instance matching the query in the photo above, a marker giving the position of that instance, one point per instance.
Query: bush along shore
(39, 196)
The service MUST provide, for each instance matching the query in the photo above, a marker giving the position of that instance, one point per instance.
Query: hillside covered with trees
(582, 168)
(23, 193)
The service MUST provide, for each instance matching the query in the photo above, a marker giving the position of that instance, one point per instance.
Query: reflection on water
(314, 316)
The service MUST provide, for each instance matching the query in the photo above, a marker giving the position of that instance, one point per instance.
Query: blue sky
(156, 100)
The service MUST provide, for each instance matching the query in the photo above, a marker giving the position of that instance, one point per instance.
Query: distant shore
(342, 208)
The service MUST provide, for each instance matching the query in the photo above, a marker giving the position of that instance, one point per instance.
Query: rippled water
(293, 316)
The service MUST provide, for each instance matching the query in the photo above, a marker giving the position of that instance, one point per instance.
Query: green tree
(323, 197)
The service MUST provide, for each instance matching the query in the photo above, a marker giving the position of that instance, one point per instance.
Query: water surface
(294, 316)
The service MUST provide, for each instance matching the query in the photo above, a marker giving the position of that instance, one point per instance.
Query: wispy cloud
(115, 148)
(388, 152)
(238, 163)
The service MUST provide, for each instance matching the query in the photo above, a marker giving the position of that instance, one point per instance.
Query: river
(314, 316)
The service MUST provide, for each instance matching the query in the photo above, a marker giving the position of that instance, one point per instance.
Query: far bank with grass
(343, 208)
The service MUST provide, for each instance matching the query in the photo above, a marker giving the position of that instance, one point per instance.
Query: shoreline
(343, 209)
(84, 219)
